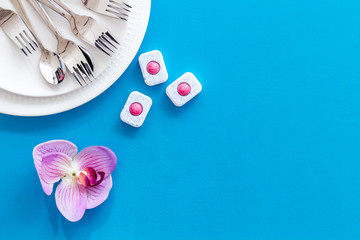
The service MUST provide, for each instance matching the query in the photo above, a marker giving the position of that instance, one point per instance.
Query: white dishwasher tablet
(153, 68)
(183, 89)
(136, 109)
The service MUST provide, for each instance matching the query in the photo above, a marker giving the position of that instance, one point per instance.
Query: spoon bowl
(52, 67)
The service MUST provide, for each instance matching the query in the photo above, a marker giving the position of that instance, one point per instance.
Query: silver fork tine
(103, 38)
(76, 76)
(88, 70)
(26, 40)
(22, 43)
(30, 39)
(124, 5)
(112, 38)
(104, 43)
(119, 9)
(99, 44)
(117, 14)
(18, 44)
(113, 8)
(84, 73)
(81, 75)
(16, 30)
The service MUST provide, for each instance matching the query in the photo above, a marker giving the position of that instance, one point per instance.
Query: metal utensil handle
(4, 15)
(44, 16)
(64, 6)
(20, 9)
(52, 6)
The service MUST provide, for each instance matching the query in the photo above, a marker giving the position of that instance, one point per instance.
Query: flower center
(88, 177)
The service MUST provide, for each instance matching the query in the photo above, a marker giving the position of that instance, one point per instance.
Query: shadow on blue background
(268, 150)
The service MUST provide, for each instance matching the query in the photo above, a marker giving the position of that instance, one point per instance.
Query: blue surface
(268, 150)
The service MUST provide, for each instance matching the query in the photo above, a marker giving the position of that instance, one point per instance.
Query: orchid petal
(101, 159)
(91, 174)
(98, 194)
(47, 187)
(52, 146)
(102, 177)
(54, 166)
(83, 180)
(71, 200)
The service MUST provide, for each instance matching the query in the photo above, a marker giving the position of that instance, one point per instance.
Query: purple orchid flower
(86, 179)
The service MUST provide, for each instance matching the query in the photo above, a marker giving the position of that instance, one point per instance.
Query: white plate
(23, 92)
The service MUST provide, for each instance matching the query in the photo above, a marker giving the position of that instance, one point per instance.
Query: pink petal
(101, 159)
(54, 166)
(71, 200)
(102, 177)
(91, 174)
(83, 180)
(47, 187)
(98, 194)
(52, 146)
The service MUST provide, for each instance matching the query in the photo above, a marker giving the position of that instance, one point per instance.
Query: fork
(16, 30)
(75, 59)
(51, 65)
(85, 27)
(113, 8)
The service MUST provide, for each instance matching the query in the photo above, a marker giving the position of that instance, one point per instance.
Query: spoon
(51, 65)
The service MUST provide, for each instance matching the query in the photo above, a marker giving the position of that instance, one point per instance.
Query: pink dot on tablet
(136, 109)
(184, 89)
(153, 67)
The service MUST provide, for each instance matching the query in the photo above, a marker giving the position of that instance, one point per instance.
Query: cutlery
(85, 27)
(51, 65)
(16, 30)
(78, 63)
(113, 8)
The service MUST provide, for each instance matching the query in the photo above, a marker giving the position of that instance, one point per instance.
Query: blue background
(268, 150)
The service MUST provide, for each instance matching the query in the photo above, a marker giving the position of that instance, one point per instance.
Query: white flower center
(72, 174)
